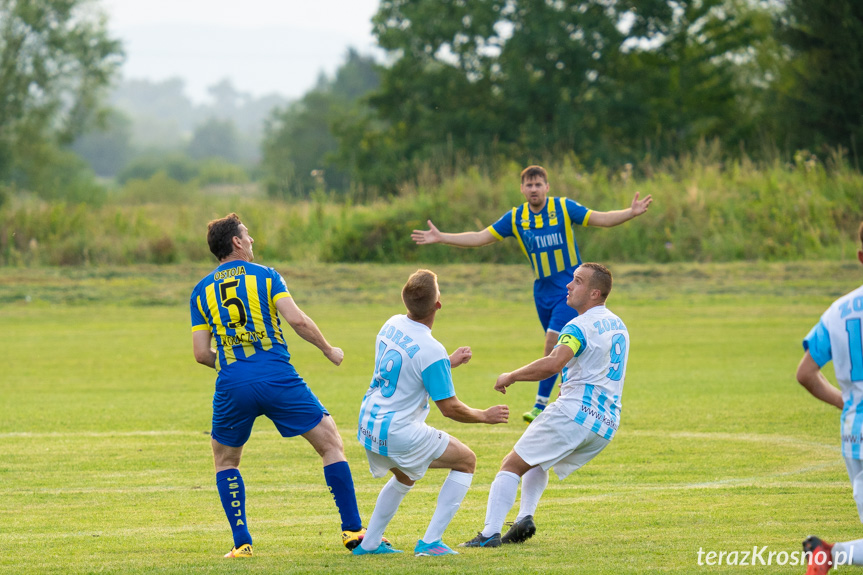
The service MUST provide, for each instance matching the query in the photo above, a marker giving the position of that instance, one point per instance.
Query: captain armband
(569, 341)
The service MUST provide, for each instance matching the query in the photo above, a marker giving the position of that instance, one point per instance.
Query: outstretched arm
(809, 375)
(537, 370)
(464, 239)
(453, 408)
(307, 329)
(617, 217)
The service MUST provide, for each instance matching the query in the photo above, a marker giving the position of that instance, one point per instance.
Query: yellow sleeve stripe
(496, 235)
(203, 327)
(279, 296)
(586, 218)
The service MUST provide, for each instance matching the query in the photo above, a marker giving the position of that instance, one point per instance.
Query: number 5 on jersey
(235, 302)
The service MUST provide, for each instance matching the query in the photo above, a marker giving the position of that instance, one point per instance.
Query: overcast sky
(262, 46)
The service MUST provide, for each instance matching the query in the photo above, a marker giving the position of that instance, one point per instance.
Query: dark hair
(531, 172)
(420, 294)
(220, 234)
(601, 278)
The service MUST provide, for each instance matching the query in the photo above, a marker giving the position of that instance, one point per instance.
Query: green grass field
(106, 415)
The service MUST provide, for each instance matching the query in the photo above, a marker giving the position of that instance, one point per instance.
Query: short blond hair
(601, 278)
(420, 294)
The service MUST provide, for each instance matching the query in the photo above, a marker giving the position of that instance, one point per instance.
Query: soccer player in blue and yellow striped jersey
(543, 227)
(238, 305)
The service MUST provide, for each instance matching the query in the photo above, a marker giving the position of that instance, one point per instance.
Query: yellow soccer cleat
(245, 550)
(352, 539)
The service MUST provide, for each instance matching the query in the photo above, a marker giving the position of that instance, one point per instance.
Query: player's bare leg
(326, 440)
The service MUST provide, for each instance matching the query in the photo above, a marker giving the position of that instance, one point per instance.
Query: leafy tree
(107, 147)
(214, 139)
(175, 166)
(822, 88)
(56, 59)
(698, 81)
(529, 79)
(161, 112)
(300, 148)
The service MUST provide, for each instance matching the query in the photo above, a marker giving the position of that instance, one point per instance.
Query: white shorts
(416, 460)
(855, 474)
(554, 440)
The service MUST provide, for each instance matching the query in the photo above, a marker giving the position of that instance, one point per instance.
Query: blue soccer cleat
(383, 549)
(434, 548)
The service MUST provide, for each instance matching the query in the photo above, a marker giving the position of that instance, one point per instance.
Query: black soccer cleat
(482, 541)
(520, 531)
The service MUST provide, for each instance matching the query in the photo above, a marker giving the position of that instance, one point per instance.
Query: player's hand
(335, 355)
(503, 381)
(497, 414)
(429, 236)
(460, 356)
(640, 206)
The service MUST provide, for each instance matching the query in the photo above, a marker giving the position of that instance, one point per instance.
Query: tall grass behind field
(37, 233)
(703, 211)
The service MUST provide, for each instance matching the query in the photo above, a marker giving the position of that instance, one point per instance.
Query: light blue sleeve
(572, 337)
(437, 379)
(817, 343)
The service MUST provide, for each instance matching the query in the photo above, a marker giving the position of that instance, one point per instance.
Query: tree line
(614, 82)
(482, 84)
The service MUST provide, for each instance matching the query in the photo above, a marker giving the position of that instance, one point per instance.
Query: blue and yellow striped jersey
(546, 238)
(237, 304)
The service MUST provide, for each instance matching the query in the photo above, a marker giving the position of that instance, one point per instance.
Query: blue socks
(232, 492)
(546, 386)
(341, 484)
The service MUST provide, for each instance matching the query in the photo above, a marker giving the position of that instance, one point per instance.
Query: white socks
(852, 552)
(501, 498)
(386, 506)
(448, 501)
(533, 484)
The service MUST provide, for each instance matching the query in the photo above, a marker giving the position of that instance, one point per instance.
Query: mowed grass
(107, 465)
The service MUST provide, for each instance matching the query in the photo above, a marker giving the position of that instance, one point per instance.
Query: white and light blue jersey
(839, 337)
(411, 366)
(592, 381)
